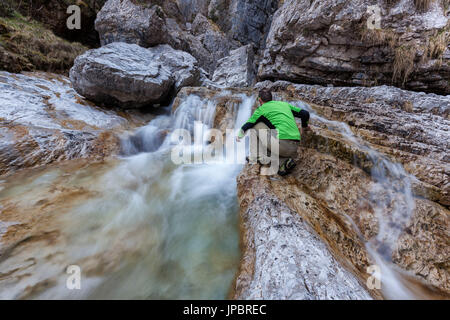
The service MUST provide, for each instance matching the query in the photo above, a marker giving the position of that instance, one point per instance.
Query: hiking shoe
(287, 167)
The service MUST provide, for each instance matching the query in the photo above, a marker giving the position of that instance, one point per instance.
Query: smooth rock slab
(288, 259)
(130, 76)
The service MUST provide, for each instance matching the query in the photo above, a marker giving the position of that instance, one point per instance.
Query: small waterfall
(151, 229)
(391, 193)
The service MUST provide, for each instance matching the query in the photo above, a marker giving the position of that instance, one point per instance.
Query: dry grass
(403, 63)
(437, 45)
(423, 5)
(380, 37)
(29, 46)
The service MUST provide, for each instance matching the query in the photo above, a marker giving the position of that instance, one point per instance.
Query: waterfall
(150, 229)
(390, 192)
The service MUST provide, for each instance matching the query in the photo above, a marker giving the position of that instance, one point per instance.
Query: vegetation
(403, 62)
(423, 5)
(406, 53)
(26, 45)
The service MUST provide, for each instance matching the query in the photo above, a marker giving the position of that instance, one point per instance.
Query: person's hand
(238, 139)
(307, 129)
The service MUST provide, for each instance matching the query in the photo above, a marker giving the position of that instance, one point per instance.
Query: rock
(408, 128)
(43, 120)
(283, 257)
(411, 127)
(130, 76)
(250, 20)
(181, 65)
(206, 29)
(190, 8)
(391, 161)
(246, 21)
(236, 70)
(213, 40)
(125, 21)
(330, 43)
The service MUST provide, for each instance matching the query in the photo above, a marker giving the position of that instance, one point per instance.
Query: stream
(142, 227)
(146, 229)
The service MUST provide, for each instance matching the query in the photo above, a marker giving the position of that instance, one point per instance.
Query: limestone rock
(216, 43)
(130, 76)
(330, 42)
(283, 257)
(402, 213)
(236, 70)
(125, 21)
(208, 30)
(43, 120)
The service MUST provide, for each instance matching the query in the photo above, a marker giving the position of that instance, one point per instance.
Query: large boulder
(332, 41)
(130, 76)
(237, 69)
(125, 21)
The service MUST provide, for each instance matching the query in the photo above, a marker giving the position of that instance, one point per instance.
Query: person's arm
(250, 123)
(302, 114)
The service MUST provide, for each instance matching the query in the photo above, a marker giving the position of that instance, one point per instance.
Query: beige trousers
(287, 148)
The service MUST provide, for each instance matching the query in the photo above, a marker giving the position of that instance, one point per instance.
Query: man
(278, 115)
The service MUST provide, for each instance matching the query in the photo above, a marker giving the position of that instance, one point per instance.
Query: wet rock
(236, 70)
(130, 76)
(283, 257)
(331, 43)
(410, 127)
(396, 219)
(407, 127)
(43, 120)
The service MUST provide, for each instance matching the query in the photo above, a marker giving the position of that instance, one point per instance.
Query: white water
(153, 229)
(393, 203)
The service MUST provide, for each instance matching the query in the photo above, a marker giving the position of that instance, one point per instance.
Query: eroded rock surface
(208, 30)
(329, 41)
(131, 76)
(356, 189)
(237, 69)
(412, 128)
(355, 198)
(283, 256)
(43, 120)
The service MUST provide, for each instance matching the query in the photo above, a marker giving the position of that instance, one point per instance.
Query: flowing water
(143, 227)
(393, 203)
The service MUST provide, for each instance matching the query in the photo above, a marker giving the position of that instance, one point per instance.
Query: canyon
(86, 177)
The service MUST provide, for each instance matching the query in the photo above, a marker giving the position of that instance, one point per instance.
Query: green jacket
(280, 116)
